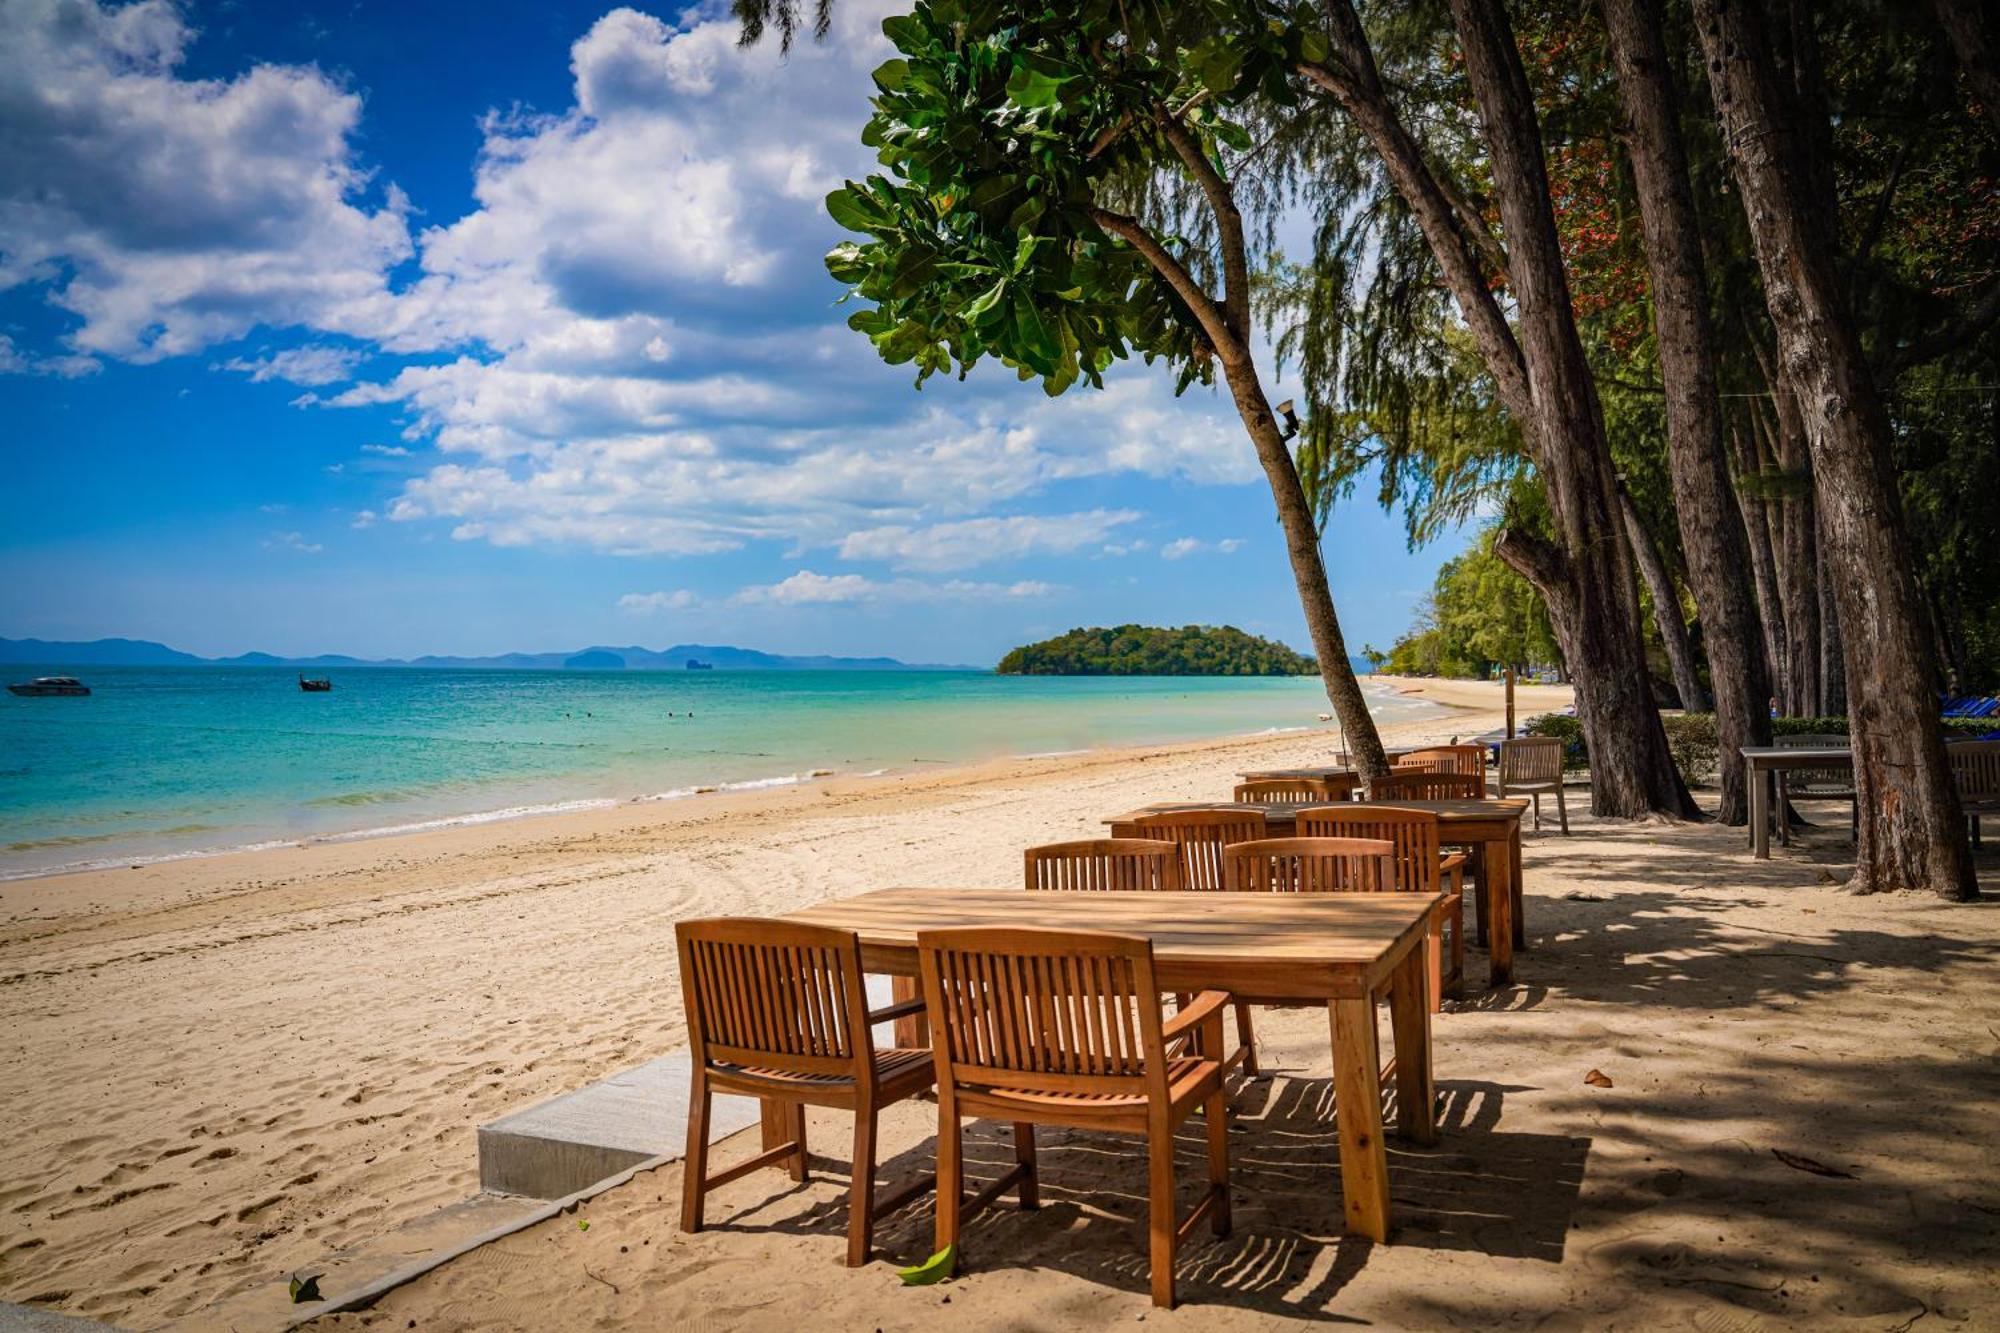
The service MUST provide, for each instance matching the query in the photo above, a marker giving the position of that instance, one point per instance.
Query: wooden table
(1763, 762)
(1492, 828)
(1336, 949)
(1329, 772)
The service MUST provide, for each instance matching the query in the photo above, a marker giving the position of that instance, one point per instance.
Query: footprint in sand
(250, 1210)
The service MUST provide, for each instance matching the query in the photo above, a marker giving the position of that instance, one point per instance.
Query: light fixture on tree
(1284, 410)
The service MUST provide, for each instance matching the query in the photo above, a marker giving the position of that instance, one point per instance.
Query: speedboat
(49, 685)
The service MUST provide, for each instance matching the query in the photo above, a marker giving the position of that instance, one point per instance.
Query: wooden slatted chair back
(1095, 864)
(1043, 1010)
(1413, 834)
(1405, 786)
(774, 995)
(1447, 759)
(1294, 789)
(1311, 865)
(1527, 762)
(1201, 836)
(1975, 768)
(1835, 782)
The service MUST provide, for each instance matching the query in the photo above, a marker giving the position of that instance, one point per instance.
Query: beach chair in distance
(1201, 836)
(1469, 759)
(1815, 784)
(1066, 1028)
(779, 1010)
(1104, 863)
(1301, 865)
(1975, 770)
(1310, 865)
(1421, 866)
(1530, 766)
(1317, 790)
(1402, 785)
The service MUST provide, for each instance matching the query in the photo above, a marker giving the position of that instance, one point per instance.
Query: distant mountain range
(141, 652)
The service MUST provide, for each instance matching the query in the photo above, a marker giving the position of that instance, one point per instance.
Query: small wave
(758, 784)
(1050, 754)
(86, 839)
(383, 796)
(152, 859)
(479, 817)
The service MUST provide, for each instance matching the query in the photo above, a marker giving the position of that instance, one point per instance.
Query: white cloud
(1182, 547)
(292, 541)
(640, 354)
(973, 541)
(807, 588)
(364, 519)
(651, 371)
(314, 364)
(166, 213)
(652, 603)
(14, 361)
(386, 450)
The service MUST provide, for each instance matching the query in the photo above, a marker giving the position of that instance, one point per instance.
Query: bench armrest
(1207, 1005)
(900, 1009)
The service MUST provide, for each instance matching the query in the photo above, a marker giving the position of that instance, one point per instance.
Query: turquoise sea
(174, 761)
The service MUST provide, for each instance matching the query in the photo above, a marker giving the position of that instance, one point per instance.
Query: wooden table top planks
(1287, 812)
(1270, 945)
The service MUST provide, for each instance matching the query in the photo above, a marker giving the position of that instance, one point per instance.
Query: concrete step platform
(29, 1319)
(578, 1139)
(571, 1143)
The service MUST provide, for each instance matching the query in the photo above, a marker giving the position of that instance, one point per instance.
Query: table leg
(775, 1121)
(1410, 1026)
(915, 1030)
(1357, 1090)
(1760, 812)
(1476, 867)
(1499, 913)
(1515, 894)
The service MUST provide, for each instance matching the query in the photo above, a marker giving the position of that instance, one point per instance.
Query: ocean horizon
(161, 763)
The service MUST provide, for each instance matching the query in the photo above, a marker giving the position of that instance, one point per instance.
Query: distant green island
(1148, 650)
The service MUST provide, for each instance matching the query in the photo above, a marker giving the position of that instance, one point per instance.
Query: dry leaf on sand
(1798, 1163)
(1597, 1078)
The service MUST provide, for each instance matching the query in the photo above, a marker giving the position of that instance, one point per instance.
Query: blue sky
(327, 328)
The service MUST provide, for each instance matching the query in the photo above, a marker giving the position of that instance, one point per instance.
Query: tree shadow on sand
(1502, 1193)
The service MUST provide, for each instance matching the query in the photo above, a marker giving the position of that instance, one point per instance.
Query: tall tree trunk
(1227, 325)
(1712, 535)
(1832, 666)
(1763, 567)
(1967, 25)
(1585, 580)
(1798, 557)
(1911, 830)
(1666, 609)
(1606, 647)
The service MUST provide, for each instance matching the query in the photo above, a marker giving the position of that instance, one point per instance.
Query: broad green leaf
(986, 300)
(891, 74)
(933, 1270)
(846, 262)
(1231, 134)
(1030, 88)
(853, 209)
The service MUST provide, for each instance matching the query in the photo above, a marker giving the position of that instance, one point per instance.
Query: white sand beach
(219, 1070)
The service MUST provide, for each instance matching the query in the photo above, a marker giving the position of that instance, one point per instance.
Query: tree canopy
(1144, 650)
